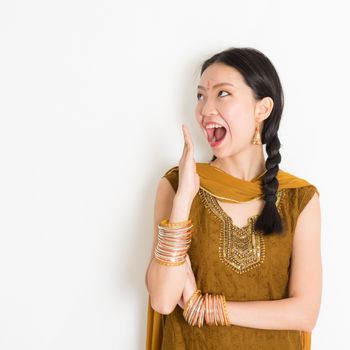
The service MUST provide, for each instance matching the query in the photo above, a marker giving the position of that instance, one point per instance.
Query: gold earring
(256, 139)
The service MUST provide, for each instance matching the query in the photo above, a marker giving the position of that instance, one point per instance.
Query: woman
(236, 259)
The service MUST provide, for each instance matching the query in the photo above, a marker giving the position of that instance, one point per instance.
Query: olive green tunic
(241, 265)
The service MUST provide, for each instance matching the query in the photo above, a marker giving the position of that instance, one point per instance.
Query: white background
(92, 97)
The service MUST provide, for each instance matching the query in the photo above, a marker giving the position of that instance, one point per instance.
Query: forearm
(289, 313)
(165, 283)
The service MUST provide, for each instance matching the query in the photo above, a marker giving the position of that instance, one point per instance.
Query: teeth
(211, 126)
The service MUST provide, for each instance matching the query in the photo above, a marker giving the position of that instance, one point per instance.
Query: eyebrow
(216, 85)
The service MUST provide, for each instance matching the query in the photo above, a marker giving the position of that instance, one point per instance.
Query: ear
(263, 109)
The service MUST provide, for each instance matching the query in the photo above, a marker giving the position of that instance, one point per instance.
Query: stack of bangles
(174, 239)
(210, 308)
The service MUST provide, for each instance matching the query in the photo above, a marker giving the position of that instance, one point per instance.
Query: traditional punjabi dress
(238, 262)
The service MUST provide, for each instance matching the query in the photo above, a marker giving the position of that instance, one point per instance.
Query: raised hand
(188, 177)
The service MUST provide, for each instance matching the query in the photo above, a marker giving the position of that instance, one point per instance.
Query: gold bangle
(168, 263)
(206, 315)
(209, 309)
(227, 319)
(201, 312)
(172, 246)
(221, 310)
(181, 224)
(192, 310)
(175, 230)
(197, 311)
(190, 301)
(215, 311)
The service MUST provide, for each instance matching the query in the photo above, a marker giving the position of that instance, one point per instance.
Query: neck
(245, 165)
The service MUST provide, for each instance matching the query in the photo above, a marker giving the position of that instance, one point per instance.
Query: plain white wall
(92, 97)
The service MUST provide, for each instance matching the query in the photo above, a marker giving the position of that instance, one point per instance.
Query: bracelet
(226, 317)
(190, 301)
(174, 240)
(166, 223)
(208, 308)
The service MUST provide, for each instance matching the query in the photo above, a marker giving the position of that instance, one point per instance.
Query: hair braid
(270, 220)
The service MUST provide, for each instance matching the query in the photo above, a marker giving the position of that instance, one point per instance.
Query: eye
(223, 91)
(198, 96)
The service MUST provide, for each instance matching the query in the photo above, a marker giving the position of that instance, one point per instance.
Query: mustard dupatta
(227, 188)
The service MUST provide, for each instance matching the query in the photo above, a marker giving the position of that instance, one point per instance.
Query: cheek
(238, 108)
(240, 122)
(234, 115)
(198, 115)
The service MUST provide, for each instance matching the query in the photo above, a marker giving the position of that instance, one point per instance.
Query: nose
(209, 109)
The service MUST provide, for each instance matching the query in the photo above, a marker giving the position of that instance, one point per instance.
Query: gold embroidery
(240, 248)
(224, 199)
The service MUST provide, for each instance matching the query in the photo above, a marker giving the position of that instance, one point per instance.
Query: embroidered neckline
(240, 248)
(223, 213)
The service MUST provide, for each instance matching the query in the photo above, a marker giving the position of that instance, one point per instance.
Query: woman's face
(232, 106)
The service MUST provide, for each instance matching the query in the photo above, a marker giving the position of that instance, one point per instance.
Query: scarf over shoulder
(227, 188)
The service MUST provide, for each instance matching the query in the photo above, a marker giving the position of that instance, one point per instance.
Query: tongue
(219, 133)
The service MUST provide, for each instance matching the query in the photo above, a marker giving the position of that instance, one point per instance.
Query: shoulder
(174, 169)
(300, 191)
(172, 175)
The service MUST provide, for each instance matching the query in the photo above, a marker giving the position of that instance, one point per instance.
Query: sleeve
(172, 176)
(305, 195)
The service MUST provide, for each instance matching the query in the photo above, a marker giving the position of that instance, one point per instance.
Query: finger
(188, 139)
(188, 134)
(185, 132)
(184, 151)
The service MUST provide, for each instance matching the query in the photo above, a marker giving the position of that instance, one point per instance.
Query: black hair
(261, 76)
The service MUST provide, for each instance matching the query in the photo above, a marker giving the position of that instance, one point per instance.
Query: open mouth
(215, 135)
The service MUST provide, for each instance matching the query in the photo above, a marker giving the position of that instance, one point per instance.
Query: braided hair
(261, 76)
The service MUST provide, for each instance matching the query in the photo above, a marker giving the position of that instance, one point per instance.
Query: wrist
(187, 296)
(209, 309)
